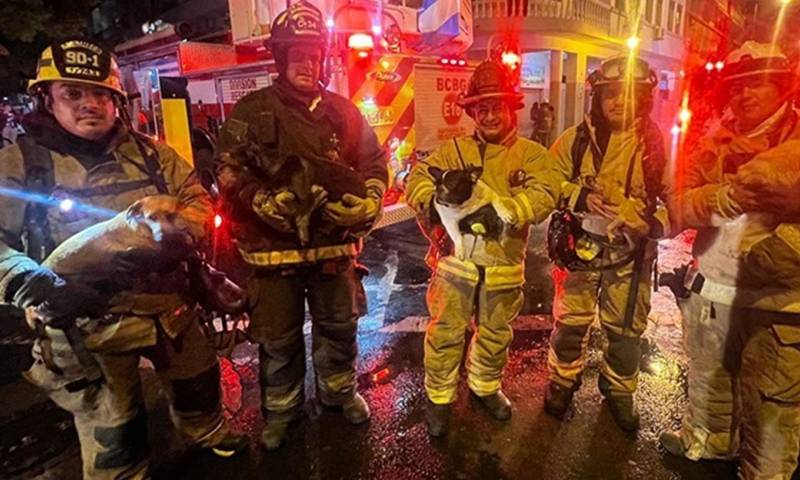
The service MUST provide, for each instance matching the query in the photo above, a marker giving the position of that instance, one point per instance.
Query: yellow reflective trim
(375, 188)
(374, 182)
(290, 257)
(422, 191)
(461, 269)
(282, 403)
(524, 203)
(504, 277)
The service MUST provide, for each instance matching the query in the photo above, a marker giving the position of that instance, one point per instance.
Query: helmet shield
(78, 60)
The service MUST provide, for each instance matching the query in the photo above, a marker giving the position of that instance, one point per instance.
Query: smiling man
(78, 149)
(485, 283)
(293, 123)
(741, 319)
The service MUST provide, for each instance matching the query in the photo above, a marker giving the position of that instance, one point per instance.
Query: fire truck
(402, 73)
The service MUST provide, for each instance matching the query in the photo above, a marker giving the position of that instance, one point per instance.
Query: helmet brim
(516, 98)
(757, 73)
(42, 81)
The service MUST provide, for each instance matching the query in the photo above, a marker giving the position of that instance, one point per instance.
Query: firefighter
(486, 282)
(742, 311)
(617, 158)
(296, 120)
(78, 149)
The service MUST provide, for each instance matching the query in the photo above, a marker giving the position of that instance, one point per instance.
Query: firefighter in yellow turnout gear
(618, 160)
(79, 150)
(742, 311)
(483, 278)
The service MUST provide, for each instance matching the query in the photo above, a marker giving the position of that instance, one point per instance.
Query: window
(678, 19)
(620, 5)
(671, 15)
(659, 13)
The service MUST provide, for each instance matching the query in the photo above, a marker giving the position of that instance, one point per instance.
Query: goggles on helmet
(623, 69)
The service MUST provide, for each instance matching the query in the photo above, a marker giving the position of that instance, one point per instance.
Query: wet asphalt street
(37, 439)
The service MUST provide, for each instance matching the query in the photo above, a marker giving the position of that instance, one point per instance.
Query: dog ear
(475, 173)
(437, 173)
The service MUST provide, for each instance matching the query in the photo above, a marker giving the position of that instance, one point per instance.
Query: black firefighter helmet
(491, 79)
(300, 24)
(570, 246)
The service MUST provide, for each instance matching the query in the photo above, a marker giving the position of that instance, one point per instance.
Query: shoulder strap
(147, 150)
(460, 157)
(579, 147)
(654, 162)
(151, 162)
(38, 166)
(39, 179)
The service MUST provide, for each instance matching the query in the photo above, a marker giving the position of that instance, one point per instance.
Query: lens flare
(59, 203)
(66, 205)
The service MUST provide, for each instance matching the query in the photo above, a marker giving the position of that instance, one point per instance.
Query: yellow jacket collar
(507, 142)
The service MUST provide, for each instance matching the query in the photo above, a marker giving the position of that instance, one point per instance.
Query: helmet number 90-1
(74, 57)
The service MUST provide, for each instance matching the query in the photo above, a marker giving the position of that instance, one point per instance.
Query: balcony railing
(591, 12)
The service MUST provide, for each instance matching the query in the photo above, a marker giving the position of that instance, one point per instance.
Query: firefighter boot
(230, 444)
(438, 418)
(498, 405)
(672, 443)
(557, 399)
(623, 409)
(274, 433)
(276, 426)
(356, 410)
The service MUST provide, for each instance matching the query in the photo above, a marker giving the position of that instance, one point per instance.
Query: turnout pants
(110, 417)
(744, 387)
(584, 295)
(453, 300)
(336, 300)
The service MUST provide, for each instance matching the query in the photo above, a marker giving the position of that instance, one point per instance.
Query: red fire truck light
(510, 59)
(361, 41)
(381, 376)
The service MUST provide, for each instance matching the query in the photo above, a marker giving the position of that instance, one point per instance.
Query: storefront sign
(233, 89)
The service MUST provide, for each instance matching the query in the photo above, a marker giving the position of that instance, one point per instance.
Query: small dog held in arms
(467, 206)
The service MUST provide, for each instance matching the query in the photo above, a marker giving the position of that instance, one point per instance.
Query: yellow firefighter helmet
(78, 60)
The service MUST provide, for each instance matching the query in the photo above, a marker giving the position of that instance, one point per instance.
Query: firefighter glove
(629, 220)
(275, 208)
(352, 210)
(55, 298)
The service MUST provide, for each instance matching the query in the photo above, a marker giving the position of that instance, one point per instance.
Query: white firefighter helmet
(754, 58)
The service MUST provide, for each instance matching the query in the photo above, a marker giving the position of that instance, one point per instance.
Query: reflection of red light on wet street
(381, 376)
(559, 276)
(231, 386)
